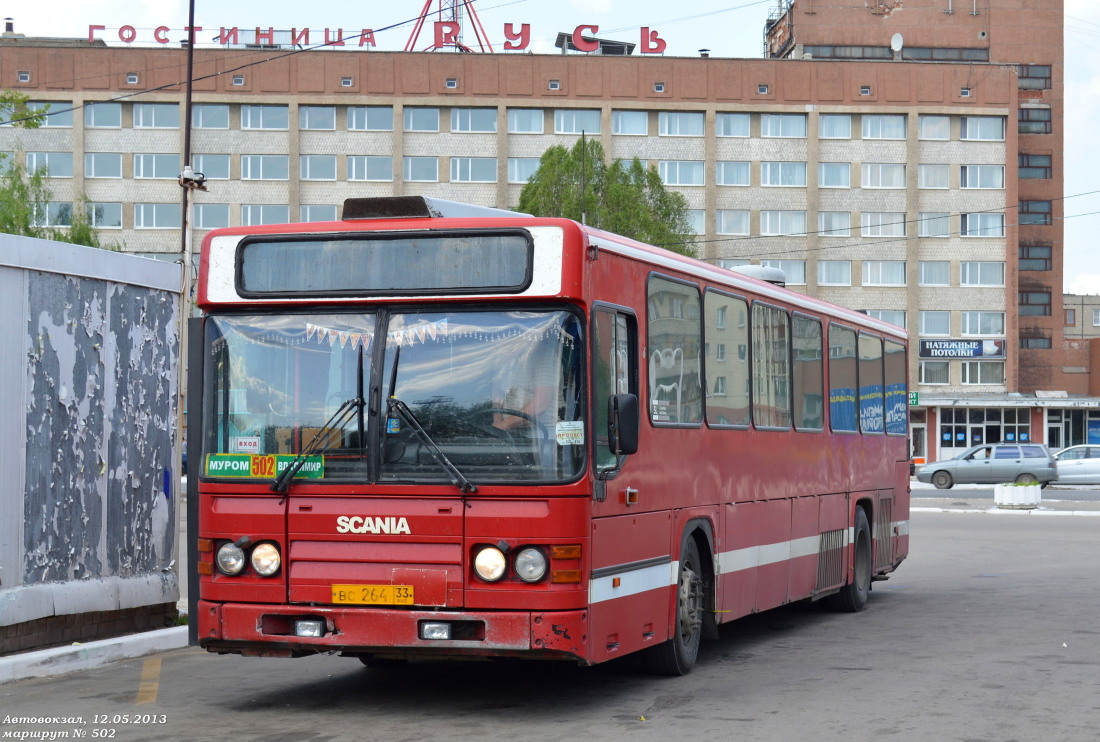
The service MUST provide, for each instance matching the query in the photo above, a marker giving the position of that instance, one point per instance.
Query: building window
(732, 173)
(238, 80)
(317, 167)
(253, 215)
(1034, 166)
(883, 272)
(574, 121)
(370, 118)
(658, 87)
(525, 120)
(166, 166)
(1034, 121)
(935, 128)
(787, 174)
(834, 126)
(156, 116)
(893, 316)
(213, 167)
(883, 175)
(834, 273)
(935, 323)
(265, 117)
(834, 175)
(731, 124)
(982, 176)
(682, 172)
(1035, 212)
(474, 120)
(1069, 317)
(421, 119)
(451, 83)
(54, 214)
(521, 169)
(882, 224)
(834, 223)
(1096, 317)
(934, 372)
(1034, 304)
(982, 225)
(1033, 76)
(982, 129)
(1035, 256)
(630, 123)
(934, 224)
(156, 216)
(697, 220)
(422, 169)
(983, 372)
(1035, 344)
(733, 221)
(761, 89)
(265, 167)
(103, 165)
(964, 92)
(794, 270)
(933, 176)
(23, 76)
(105, 215)
(103, 115)
(58, 114)
(934, 272)
(983, 323)
(473, 170)
(346, 82)
(783, 125)
(55, 164)
(317, 213)
(317, 117)
(211, 216)
(983, 273)
(864, 89)
(883, 126)
(782, 223)
(370, 167)
(554, 85)
(680, 124)
(210, 116)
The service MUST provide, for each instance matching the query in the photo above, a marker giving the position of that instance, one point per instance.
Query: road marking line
(150, 681)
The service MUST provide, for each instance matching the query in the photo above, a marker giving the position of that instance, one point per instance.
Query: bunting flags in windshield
(417, 333)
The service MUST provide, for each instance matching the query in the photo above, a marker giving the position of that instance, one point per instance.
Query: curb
(1005, 511)
(92, 654)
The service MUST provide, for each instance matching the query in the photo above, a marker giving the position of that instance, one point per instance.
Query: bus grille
(830, 559)
(884, 531)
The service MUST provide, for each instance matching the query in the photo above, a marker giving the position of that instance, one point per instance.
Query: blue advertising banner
(961, 349)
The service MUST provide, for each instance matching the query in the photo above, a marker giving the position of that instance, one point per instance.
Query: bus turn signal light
(563, 576)
(572, 551)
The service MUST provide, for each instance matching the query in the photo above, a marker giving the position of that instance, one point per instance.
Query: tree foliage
(25, 199)
(14, 110)
(631, 200)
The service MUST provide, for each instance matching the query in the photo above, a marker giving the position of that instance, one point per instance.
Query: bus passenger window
(870, 384)
(726, 329)
(842, 379)
(897, 398)
(809, 375)
(673, 353)
(771, 367)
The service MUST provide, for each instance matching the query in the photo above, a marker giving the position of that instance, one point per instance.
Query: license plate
(372, 594)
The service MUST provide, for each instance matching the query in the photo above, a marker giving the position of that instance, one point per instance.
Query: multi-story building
(886, 185)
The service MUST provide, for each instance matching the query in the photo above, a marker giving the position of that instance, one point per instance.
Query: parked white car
(1078, 465)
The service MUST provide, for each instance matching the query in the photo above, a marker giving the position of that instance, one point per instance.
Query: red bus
(436, 430)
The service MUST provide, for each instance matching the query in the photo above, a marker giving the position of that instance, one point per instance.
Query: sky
(726, 29)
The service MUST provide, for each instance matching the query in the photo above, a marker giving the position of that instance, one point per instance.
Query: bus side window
(615, 371)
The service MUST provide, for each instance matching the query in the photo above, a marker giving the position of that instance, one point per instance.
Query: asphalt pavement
(84, 656)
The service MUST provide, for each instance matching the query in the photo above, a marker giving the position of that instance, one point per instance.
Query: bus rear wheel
(677, 655)
(853, 597)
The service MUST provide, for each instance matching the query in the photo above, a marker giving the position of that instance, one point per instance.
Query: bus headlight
(266, 559)
(531, 565)
(230, 559)
(489, 564)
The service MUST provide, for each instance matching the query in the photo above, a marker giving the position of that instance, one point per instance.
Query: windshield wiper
(458, 479)
(339, 419)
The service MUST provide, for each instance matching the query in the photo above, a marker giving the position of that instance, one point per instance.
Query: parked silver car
(1078, 465)
(992, 463)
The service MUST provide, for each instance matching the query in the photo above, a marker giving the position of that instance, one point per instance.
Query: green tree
(631, 201)
(25, 199)
(14, 108)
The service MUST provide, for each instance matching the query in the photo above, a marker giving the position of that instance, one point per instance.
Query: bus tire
(677, 655)
(852, 598)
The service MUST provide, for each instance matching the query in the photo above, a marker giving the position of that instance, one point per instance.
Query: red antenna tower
(449, 11)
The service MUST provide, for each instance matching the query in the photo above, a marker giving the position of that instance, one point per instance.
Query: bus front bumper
(284, 631)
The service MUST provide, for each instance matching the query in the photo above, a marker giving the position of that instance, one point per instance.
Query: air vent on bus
(417, 207)
(763, 273)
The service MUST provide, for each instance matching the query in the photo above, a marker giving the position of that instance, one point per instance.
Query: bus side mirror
(622, 424)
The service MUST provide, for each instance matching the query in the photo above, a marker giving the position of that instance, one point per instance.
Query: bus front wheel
(677, 655)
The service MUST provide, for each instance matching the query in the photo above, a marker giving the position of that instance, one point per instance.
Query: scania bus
(436, 430)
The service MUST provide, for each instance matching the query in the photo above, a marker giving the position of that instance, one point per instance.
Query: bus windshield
(498, 393)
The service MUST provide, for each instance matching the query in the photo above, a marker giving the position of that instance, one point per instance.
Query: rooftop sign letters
(446, 34)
